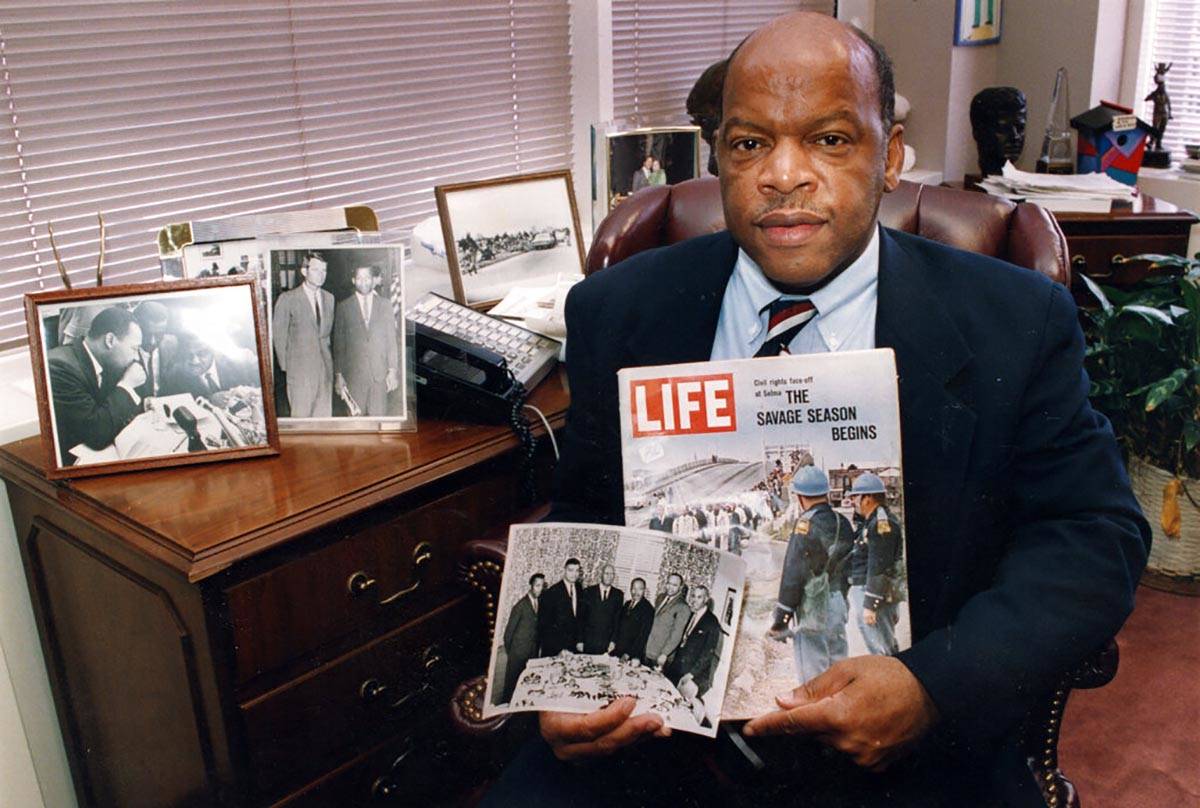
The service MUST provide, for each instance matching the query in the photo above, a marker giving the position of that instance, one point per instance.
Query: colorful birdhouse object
(1111, 139)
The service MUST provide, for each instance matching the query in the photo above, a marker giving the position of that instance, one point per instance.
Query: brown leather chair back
(1023, 234)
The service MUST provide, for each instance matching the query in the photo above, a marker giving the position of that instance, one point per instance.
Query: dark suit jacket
(558, 627)
(698, 653)
(520, 645)
(230, 373)
(600, 618)
(633, 629)
(1024, 540)
(85, 412)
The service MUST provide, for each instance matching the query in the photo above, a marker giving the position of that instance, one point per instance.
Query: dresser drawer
(388, 570)
(313, 722)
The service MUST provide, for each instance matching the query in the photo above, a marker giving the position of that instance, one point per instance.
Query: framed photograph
(147, 375)
(513, 231)
(641, 158)
(341, 348)
(977, 22)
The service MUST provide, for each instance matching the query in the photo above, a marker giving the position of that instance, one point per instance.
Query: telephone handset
(474, 366)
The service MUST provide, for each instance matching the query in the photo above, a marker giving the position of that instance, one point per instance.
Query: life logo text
(684, 405)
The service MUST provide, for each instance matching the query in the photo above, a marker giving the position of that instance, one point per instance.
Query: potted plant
(1143, 357)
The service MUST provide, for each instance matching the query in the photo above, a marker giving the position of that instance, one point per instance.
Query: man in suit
(633, 628)
(520, 637)
(94, 382)
(670, 620)
(695, 660)
(1026, 541)
(204, 373)
(158, 347)
(601, 611)
(558, 622)
(300, 329)
(641, 177)
(366, 357)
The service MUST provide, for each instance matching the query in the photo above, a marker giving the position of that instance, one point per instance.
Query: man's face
(153, 330)
(647, 163)
(121, 351)
(697, 598)
(364, 281)
(674, 584)
(637, 590)
(571, 573)
(197, 358)
(537, 586)
(803, 154)
(607, 575)
(314, 272)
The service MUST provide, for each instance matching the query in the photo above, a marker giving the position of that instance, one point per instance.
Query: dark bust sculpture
(998, 124)
(704, 107)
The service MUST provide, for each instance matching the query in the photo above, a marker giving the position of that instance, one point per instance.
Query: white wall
(33, 762)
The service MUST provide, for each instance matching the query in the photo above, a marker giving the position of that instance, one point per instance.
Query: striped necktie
(787, 317)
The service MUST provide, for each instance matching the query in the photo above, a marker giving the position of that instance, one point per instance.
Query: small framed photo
(147, 375)
(342, 351)
(512, 231)
(977, 22)
(641, 158)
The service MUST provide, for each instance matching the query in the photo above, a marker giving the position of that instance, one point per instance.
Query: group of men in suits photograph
(110, 360)
(678, 634)
(344, 350)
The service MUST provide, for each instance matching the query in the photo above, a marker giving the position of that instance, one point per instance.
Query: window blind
(1174, 37)
(660, 48)
(153, 112)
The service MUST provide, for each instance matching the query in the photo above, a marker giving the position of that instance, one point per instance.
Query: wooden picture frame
(534, 205)
(170, 416)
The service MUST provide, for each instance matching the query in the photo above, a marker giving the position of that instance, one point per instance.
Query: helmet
(810, 481)
(867, 483)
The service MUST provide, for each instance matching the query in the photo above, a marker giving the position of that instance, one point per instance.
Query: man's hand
(339, 384)
(869, 616)
(579, 647)
(575, 737)
(392, 380)
(611, 646)
(871, 708)
(134, 376)
(662, 660)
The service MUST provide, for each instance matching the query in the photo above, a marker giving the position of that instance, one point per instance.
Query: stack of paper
(1058, 192)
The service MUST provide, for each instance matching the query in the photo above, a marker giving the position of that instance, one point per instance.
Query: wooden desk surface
(201, 519)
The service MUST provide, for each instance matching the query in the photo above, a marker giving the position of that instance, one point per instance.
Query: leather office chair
(1023, 234)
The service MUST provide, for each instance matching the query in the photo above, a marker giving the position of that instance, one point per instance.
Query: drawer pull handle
(359, 582)
(422, 555)
(385, 788)
(430, 658)
(372, 690)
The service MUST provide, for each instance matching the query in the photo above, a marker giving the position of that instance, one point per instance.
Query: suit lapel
(688, 299)
(937, 427)
(85, 365)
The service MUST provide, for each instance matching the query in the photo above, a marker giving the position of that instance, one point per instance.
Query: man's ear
(894, 158)
(110, 339)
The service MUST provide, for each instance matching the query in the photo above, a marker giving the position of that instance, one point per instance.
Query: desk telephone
(474, 365)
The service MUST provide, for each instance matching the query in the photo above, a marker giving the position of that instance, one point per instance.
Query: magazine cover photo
(590, 613)
(792, 463)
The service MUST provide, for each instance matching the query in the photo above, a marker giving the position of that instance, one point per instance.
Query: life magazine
(792, 463)
(590, 613)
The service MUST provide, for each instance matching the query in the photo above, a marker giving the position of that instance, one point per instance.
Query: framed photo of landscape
(521, 230)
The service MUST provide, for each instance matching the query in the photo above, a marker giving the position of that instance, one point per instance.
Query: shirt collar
(96, 366)
(830, 299)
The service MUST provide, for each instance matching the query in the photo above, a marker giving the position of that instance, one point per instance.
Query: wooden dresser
(274, 631)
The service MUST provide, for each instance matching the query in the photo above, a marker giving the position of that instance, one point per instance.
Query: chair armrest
(1044, 723)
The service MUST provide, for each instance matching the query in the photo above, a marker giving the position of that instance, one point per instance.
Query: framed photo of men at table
(147, 375)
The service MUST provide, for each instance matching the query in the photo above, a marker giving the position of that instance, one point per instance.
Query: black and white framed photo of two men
(138, 376)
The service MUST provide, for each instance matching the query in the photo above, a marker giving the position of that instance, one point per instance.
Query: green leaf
(1162, 389)
(1151, 313)
(1191, 435)
(1095, 289)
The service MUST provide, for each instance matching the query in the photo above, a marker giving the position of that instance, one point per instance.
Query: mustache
(793, 205)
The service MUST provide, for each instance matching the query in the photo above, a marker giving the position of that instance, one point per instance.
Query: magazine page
(590, 613)
(793, 463)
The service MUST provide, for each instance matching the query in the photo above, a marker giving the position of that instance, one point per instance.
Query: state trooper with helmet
(805, 593)
(876, 565)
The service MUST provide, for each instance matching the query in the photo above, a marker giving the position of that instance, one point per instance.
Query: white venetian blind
(156, 111)
(1174, 37)
(660, 48)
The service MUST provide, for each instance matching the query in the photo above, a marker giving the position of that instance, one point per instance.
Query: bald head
(806, 147)
(804, 28)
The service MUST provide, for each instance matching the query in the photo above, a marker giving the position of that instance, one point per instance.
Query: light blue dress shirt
(845, 318)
